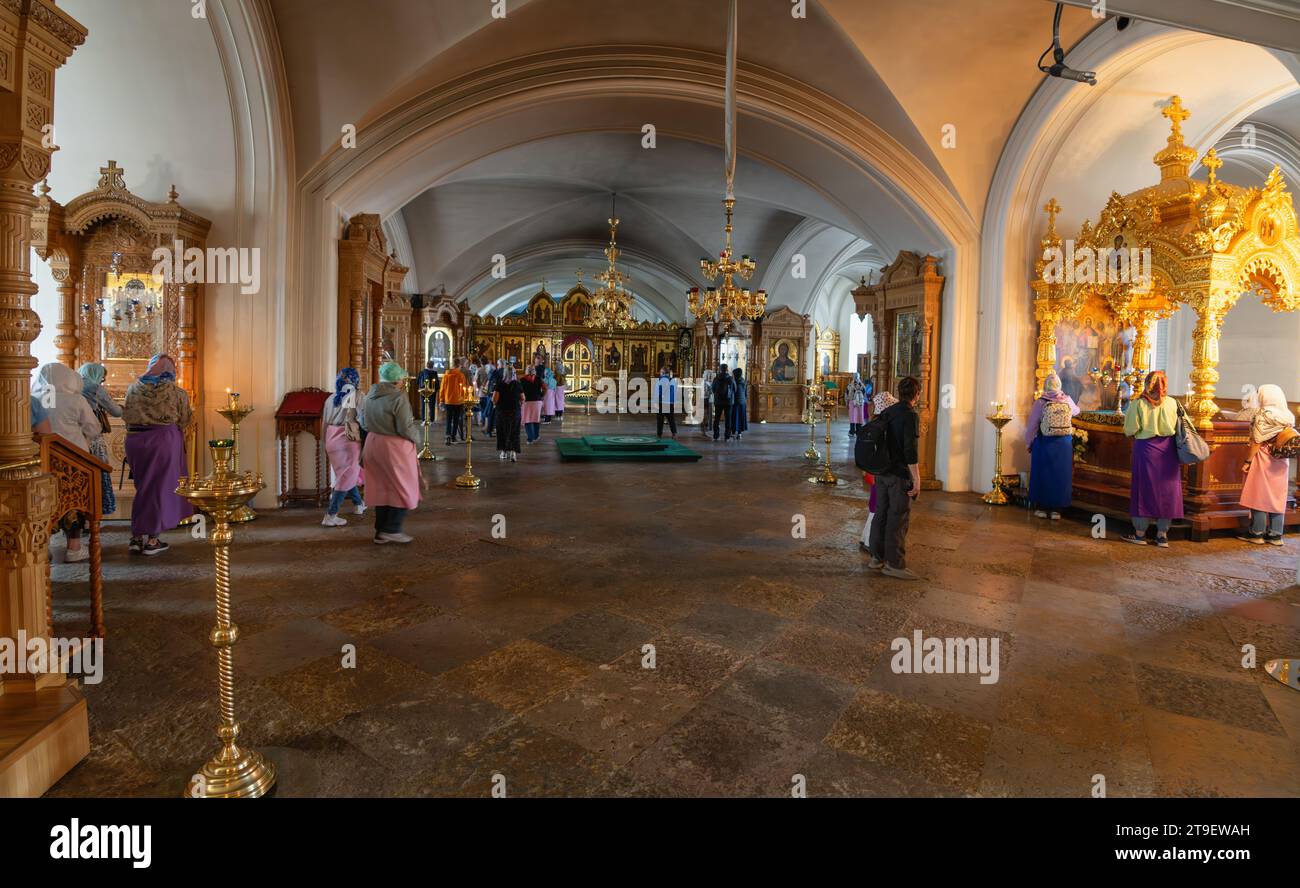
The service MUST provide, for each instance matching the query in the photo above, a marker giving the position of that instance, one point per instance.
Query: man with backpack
(724, 393)
(887, 448)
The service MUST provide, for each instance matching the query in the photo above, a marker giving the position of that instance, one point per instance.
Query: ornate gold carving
(1209, 242)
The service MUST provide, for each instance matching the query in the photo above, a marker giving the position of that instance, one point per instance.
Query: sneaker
(382, 538)
(72, 556)
(359, 510)
(1055, 516)
(1251, 538)
(501, 454)
(1040, 514)
(1274, 540)
(1134, 538)
(1162, 542)
(135, 545)
(899, 573)
(875, 563)
(514, 457)
(334, 521)
(155, 548)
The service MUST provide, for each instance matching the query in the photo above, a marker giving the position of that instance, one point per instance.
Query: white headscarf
(1271, 416)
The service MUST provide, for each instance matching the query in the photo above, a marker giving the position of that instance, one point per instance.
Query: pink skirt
(392, 472)
(532, 411)
(344, 456)
(548, 403)
(1265, 487)
(857, 414)
(560, 392)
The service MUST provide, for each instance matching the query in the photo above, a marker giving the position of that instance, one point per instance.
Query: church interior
(274, 212)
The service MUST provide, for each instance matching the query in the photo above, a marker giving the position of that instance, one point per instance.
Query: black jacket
(902, 431)
(724, 389)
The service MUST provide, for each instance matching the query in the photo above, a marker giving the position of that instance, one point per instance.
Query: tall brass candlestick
(235, 771)
(811, 452)
(235, 413)
(468, 481)
(997, 496)
(426, 393)
(826, 476)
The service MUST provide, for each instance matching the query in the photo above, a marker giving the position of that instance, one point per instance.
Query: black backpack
(871, 453)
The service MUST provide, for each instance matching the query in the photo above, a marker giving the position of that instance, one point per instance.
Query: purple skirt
(1156, 490)
(157, 460)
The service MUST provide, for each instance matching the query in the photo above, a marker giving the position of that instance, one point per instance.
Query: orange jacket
(455, 389)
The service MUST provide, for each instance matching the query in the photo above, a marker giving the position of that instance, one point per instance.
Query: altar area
(1203, 245)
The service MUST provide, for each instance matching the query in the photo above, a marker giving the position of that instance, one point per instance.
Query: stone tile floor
(523, 656)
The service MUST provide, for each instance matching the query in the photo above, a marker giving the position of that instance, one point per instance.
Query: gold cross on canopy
(1176, 114)
(1051, 208)
(1211, 161)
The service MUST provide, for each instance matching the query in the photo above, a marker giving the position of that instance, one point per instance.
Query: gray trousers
(889, 527)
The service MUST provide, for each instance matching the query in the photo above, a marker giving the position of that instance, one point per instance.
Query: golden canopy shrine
(1180, 242)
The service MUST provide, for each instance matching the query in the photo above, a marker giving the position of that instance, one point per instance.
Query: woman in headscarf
(392, 467)
(343, 445)
(507, 402)
(157, 412)
(880, 402)
(548, 399)
(58, 390)
(534, 387)
(561, 389)
(1049, 437)
(1265, 490)
(103, 406)
(740, 406)
(1156, 488)
(855, 395)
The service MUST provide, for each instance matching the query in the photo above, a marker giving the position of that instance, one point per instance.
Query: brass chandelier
(728, 302)
(611, 303)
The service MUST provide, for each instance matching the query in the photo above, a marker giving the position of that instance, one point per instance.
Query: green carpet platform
(645, 448)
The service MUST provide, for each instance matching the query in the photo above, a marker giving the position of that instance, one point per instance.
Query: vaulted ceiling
(948, 95)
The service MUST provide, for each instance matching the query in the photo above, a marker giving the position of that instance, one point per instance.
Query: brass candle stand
(827, 406)
(235, 413)
(235, 771)
(811, 452)
(998, 495)
(426, 394)
(468, 481)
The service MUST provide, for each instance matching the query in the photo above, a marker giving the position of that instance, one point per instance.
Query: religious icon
(907, 344)
(439, 350)
(514, 351)
(784, 367)
(639, 358)
(612, 357)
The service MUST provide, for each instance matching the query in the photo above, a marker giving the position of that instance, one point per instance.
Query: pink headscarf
(161, 369)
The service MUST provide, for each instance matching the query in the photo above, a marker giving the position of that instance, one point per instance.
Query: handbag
(102, 415)
(1191, 446)
(1285, 444)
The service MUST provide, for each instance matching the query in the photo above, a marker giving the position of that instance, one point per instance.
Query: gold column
(1046, 349)
(1205, 361)
(35, 39)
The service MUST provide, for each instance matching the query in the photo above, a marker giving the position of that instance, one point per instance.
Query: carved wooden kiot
(107, 236)
(904, 306)
(374, 318)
